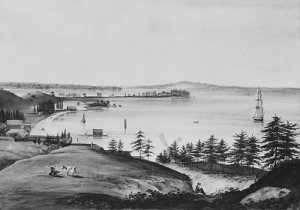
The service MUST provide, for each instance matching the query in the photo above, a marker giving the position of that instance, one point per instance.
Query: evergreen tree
(222, 151)
(272, 137)
(197, 153)
(120, 147)
(163, 157)
(148, 148)
(289, 147)
(210, 146)
(190, 149)
(138, 144)
(184, 155)
(252, 152)
(112, 146)
(174, 151)
(239, 147)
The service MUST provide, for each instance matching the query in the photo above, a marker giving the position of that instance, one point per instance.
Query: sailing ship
(259, 111)
(83, 119)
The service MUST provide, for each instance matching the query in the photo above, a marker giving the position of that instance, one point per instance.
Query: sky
(143, 42)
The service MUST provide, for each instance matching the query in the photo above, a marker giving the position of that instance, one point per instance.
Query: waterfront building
(71, 108)
(18, 129)
(97, 132)
(15, 124)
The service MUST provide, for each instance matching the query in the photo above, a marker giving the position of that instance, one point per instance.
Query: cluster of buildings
(149, 94)
(17, 129)
(73, 95)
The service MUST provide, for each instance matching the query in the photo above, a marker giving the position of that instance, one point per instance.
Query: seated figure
(199, 189)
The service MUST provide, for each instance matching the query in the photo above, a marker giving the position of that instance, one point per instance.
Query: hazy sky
(132, 42)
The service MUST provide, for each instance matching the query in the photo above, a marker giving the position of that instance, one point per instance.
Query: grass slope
(27, 184)
(10, 152)
(9, 100)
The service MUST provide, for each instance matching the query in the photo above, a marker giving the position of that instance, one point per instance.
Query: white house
(17, 129)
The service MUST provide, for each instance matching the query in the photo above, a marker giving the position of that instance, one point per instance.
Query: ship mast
(259, 112)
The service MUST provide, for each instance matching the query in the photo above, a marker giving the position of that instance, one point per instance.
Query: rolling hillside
(98, 173)
(9, 100)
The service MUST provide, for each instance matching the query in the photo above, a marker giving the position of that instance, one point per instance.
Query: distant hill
(198, 86)
(31, 85)
(9, 100)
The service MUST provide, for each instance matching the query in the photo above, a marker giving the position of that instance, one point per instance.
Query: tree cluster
(180, 93)
(115, 146)
(63, 139)
(279, 142)
(10, 115)
(46, 107)
(143, 146)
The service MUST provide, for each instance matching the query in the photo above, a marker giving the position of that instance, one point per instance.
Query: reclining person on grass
(54, 171)
(199, 189)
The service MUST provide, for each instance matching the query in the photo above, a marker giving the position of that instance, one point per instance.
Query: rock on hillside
(27, 184)
(285, 176)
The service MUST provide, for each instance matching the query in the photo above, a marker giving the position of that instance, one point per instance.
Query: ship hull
(258, 119)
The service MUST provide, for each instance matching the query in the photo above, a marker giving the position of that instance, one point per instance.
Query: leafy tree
(239, 147)
(139, 143)
(252, 152)
(272, 135)
(210, 146)
(112, 146)
(148, 148)
(174, 151)
(120, 147)
(289, 147)
(222, 151)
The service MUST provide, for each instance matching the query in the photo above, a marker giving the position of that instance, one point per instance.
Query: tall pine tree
(239, 147)
(210, 147)
(289, 148)
(197, 153)
(174, 151)
(139, 143)
(252, 152)
(272, 142)
(112, 146)
(120, 147)
(148, 148)
(222, 151)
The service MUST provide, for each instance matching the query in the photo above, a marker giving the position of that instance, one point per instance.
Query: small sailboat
(259, 111)
(83, 119)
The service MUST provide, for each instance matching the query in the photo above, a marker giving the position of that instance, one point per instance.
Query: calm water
(220, 114)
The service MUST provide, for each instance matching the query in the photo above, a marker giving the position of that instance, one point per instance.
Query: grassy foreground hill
(11, 151)
(27, 185)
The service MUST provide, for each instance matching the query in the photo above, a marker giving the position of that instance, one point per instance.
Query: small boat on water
(259, 111)
(83, 119)
(100, 103)
(196, 121)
